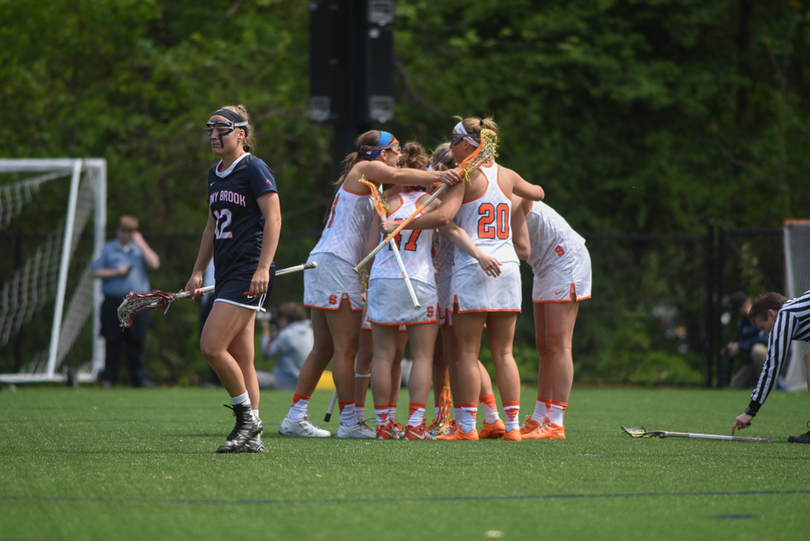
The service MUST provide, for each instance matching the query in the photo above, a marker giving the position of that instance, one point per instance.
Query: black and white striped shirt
(792, 323)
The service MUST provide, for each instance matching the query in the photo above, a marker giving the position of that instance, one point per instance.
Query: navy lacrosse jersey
(239, 226)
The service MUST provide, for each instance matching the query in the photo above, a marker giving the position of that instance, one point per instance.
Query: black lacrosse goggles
(456, 138)
(223, 128)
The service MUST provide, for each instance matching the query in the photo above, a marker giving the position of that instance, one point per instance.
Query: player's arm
(438, 218)
(381, 173)
(520, 231)
(204, 256)
(271, 210)
(524, 189)
(460, 238)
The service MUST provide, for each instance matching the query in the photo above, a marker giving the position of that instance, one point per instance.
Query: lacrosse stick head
(636, 432)
(135, 303)
(485, 153)
(377, 196)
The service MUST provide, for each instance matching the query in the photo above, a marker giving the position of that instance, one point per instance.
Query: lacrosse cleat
(492, 431)
(549, 431)
(513, 435)
(418, 433)
(400, 430)
(254, 445)
(387, 432)
(460, 435)
(247, 427)
(368, 430)
(529, 425)
(302, 427)
(358, 431)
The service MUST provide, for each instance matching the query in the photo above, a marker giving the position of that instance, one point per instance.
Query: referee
(784, 320)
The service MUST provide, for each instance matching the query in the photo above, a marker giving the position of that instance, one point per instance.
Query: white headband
(459, 129)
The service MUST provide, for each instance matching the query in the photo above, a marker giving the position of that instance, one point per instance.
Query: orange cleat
(387, 432)
(418, 433)
(492, 431)
(530, 425)
(460, 435)
(513, 435)
(551, 431)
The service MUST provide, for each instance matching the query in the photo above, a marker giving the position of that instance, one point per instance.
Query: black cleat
(254, 445)
(246, 428)
(804, 438)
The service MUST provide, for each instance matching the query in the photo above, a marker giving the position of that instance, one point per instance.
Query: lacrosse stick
(382, 209)
(641, 432)
(331, 407)
(441, 425)
(135, 303)
(485, 153)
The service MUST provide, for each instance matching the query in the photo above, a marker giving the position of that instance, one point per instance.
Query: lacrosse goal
(797, 270)
(52, 221)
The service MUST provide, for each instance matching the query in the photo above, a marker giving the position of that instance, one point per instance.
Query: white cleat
(302, 427)
(357, 431)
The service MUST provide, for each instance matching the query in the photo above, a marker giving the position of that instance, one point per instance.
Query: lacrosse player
(332, 290)
(562, 277)
(244, 223)
(784, 320)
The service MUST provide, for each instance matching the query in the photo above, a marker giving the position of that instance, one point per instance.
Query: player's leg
(493, 424)
(296, 422)
(396, 380)
(385, 347)
(544, 382)
(451, 358)
(362, 372)
(242, 348)
(557, 363)
(224, 324)
(501, 334)
(344, 326)
(467, 328)
(423, 342)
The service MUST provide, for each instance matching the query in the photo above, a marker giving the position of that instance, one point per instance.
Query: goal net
(797, 268)
(52, 221)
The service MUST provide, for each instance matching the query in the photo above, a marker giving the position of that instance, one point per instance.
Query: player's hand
(450, 177)
(388, 226)
(742, 421)
(490, 265)
(193, 286)
(259, 283)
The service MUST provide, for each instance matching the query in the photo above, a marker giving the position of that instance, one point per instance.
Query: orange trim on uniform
(342, 295)
(480, 196)
(353, 193)
(571, 298)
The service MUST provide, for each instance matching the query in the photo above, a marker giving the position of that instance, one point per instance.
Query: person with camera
(121, 265)
(289, 343)
(750, 345)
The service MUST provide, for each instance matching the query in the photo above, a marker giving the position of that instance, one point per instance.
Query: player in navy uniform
(244, 222)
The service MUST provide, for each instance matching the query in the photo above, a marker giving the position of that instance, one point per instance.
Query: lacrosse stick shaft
(712, 436)
(331, 407)
(414, 300)
(296, 268)
(400, 227)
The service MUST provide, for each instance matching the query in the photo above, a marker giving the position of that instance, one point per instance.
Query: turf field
(139, 464)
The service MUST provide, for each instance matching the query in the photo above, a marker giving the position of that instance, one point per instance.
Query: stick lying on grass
(135, 303)
(641, 432)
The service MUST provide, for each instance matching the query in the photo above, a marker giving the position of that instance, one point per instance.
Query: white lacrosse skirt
(330, 283)
(389, 302)
(475, 291)
(568, 279)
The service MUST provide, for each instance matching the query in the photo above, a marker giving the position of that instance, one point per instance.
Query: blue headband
(369, 153)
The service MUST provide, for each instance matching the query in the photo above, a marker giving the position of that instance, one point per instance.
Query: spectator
(290, 346)
(750, 346)
(122, 265)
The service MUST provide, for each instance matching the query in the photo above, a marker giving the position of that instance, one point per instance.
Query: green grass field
(139, 464)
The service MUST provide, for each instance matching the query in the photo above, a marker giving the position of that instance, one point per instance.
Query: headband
(459, 129)
(369, 152)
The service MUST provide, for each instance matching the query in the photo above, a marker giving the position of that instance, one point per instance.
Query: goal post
(797, 273)
(48, 235)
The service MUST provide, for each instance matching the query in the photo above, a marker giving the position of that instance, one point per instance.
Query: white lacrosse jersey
(487, 220)
(415, 247)
(550, 235)
(347, 227)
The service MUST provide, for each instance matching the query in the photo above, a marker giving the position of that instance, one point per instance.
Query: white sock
(256, 415)
(555, 414)
(347, 415)
(436, 412)
(241, 399)
(540, 411)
